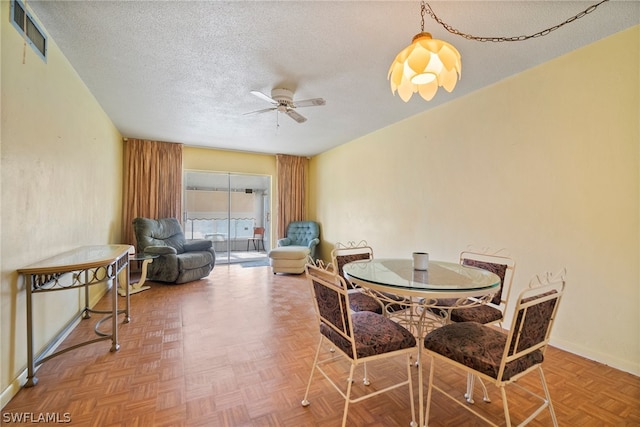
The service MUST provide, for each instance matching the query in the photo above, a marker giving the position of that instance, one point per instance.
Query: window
(24, 23)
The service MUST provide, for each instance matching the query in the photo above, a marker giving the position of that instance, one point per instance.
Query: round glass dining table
(408, 293)
(411, 292)
(440, 280)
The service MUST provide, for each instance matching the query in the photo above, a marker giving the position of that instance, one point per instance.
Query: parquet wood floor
(235, 349)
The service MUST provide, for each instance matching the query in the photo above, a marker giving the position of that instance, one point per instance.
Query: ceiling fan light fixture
(281, 101)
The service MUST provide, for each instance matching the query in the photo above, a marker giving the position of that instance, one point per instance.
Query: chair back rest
(331, 299)
(344, 254)
(258, 232)
(534, 317)
(158, 232)
(501, 266)
(302, 232)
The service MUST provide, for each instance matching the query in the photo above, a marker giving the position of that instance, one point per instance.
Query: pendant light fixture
(429, 63)
(424, 66)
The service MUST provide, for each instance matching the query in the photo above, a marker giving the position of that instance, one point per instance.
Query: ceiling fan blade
(264, 97)
(296, 116)
(259, 111)
(314, 102)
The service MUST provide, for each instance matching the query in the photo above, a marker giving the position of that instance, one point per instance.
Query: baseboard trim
(14, 386)
(605, 359)
(21, 379)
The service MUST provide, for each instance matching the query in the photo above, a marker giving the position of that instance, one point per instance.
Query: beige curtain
(152, 182)
(291, 171)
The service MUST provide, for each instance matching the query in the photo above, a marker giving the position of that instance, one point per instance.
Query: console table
(78, 268)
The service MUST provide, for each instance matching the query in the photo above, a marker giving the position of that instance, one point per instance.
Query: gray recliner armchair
(302, 233)
(179, 260)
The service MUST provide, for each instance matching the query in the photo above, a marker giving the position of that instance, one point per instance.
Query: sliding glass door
(226, 208)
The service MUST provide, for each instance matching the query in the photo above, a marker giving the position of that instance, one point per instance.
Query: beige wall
(61, 178)
(544, 164)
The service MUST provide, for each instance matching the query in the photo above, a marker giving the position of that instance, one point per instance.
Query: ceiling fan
(282, 101)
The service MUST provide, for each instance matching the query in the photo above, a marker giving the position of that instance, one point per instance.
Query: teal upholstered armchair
(302, 233)
(179, 260)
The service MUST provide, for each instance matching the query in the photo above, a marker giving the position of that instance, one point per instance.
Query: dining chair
(388, 305)
(486, 313)
(358, 337)
(358, 300)
(256, 239)
(497, 356)
(343, 254)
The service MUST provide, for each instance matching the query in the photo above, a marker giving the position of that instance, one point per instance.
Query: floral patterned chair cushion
(481, 347)
(537, 321)
(485, 314)
(332, 307)
(499, 270)
(373, 334)
(359, 301)
(342, 260)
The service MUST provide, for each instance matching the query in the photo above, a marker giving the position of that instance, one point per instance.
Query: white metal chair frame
(493, 257)
(360, 250)
(541, 289)
(350, 249)
(329, 278)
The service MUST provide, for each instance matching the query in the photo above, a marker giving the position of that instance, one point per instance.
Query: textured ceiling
(182, 71)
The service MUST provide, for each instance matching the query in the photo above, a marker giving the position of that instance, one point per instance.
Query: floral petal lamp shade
(428, 64)
(424, 66)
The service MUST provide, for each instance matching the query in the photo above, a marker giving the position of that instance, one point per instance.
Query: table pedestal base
(134, 288)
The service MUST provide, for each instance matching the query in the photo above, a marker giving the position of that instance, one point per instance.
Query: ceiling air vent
(34, 35)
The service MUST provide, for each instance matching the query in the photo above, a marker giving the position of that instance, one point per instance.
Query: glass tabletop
(440, 277)
(81, 258)
(142, 257)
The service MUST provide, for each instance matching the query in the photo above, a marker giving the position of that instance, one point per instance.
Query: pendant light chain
(452, 30)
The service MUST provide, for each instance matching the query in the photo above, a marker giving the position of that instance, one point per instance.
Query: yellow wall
(544, 164)
(61, 177)
(205, 159)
